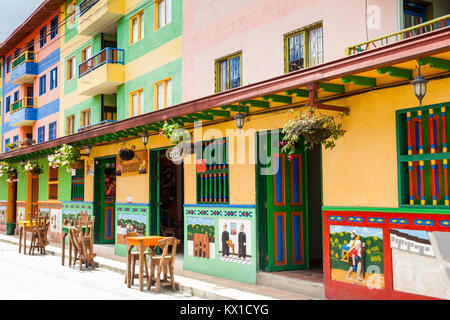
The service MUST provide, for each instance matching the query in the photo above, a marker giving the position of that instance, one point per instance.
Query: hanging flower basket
(32, 167)
(64, 156)
(175, 132)
(314, 127)
(78, 164)
(8, 170)
(126, 154)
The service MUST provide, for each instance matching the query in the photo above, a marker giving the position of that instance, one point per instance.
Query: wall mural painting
(421, 262)
(127, 223)
(235, 241)
(201, 237)
(356, 255)
(3, 213)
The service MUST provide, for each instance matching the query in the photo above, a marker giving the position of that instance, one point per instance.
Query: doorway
(104, 200)
(166, 196)
(289, 205)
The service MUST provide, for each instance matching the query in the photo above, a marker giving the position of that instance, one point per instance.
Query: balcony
(417, 30)
(102, 73)
(24, 68)
(23, 112)
(96, 125)
(99, 16)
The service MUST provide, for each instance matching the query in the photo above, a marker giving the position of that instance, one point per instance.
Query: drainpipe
(312, 88)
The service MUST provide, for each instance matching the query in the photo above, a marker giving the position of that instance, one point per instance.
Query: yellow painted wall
(362, 169)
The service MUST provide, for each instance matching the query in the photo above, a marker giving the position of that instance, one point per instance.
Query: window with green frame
(78, 185)
(213, 172)
(422, 156)
(228, 72)
(303, 48)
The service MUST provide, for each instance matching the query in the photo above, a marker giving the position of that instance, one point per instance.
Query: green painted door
(155, 156)
(105, 200)
(287, 217)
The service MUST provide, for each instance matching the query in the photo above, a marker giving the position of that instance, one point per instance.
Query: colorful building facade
(239, 204)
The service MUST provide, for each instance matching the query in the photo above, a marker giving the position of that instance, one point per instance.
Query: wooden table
(141, 243)
(24, 226)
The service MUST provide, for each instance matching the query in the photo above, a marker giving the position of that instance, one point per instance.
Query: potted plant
(26, 142)
(175, 132)
(126, 153)
(314, 127)
(65, 156)
(8, 170)
(11, 146)
(33, 167)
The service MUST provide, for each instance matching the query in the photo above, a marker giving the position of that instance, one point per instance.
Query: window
(53, 183)
(8, 104)
(54, 27)
(16, 53)
(421, 156)
(16, 96)
(71, 13)
(212, 172)
(303, 48)
(137, 27)
(86, 118)
(86, 53)
(41, 134)
(52, 131)
(228, 72)
(163, 13)
(71, 68)
(78, 185)
(70, 125)
(163, 94)
(15, 139)
(7, 141)
(53, 78)
(42, 85)
(43, 37)
(136, 102)
(8, 64)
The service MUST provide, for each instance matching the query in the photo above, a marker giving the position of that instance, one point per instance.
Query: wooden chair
(83, 243)
(168, 231)
(39, 230)
(163, 262)
(134, 258)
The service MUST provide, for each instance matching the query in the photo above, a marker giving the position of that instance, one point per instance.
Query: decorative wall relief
(235, 241)
(356, 255)
(201, 237)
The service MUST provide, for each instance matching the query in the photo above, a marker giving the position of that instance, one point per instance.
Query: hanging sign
(137, 165)
(175, 154)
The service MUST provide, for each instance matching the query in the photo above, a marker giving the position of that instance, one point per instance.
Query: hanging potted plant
(33, 167)
(314, 127)
(65, 156)
(175, 132)
(126, 153)
(9, 171)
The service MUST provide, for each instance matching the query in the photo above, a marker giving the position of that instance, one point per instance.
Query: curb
(195, 288)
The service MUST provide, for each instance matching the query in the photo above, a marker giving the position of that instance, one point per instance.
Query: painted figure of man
(242, 239)
(349, 245)
(355, 261)
(225, 238)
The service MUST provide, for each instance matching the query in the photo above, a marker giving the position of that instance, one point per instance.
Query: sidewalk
(198, 285)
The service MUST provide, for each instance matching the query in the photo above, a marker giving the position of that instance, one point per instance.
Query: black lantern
(144, 137)
(420, 87)
(239, 119)
(87, 149)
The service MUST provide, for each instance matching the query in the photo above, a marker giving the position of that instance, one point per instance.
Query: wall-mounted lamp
(87, 149)
(239, 119)
(144, 137)
(420, 87)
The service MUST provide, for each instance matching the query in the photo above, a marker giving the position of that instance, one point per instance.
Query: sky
(14, 13)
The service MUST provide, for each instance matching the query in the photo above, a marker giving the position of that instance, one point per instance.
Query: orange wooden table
(142, 244)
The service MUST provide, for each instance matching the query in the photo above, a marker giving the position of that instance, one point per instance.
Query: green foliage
(64, 156)
(314, 127)
(202, 229)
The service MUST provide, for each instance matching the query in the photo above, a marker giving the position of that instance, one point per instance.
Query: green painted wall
(152, 38)
(72, 85)
(147, 81)
(93, 103)
(3, 188)
(21, 185)
(65, 185)
(43, 180)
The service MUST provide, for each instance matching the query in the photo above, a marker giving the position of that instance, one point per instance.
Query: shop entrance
(166, 196)
(104, 200)
(290, 206)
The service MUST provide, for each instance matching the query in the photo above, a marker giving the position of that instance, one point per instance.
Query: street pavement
(43, 277)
